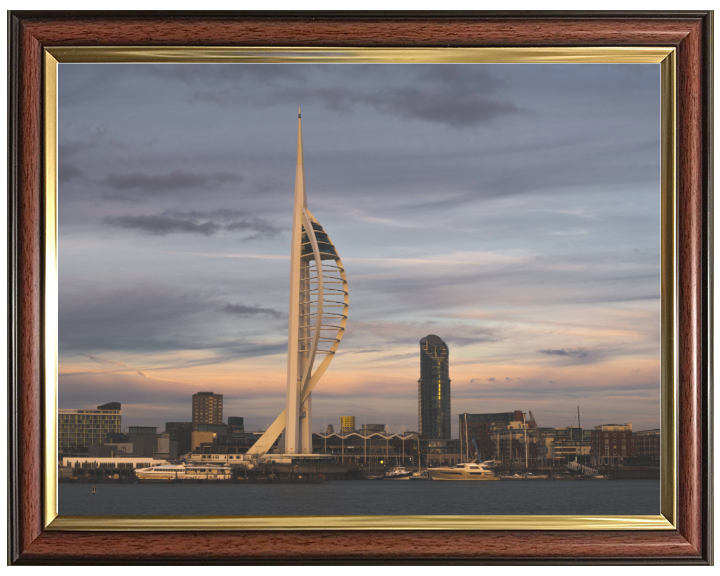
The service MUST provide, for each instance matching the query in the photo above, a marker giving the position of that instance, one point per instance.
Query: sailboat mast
(526, 446)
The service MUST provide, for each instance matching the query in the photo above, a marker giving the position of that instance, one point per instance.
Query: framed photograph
(514, 208)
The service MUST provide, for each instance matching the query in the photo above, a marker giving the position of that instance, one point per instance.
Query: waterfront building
(180, 434)
(144, 440)
(514, 443)
(434, 389)
(376, 450)
(372, 429)
(178, 425)
(478, 427)
(347, 424)
(80, 429)
(208, 442)
(217, 428)
(546, 437)
(440, 452)
(142, 430)
(207, 408)
(570, 433)
(645, 445)
(201, 438)
(317, 319)
(563, 451)
(611, 443)
(98, 467)
(236, 423)
(183, 439)
(111, 450)
(560, 446)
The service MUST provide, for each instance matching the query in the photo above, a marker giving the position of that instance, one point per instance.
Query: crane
(532, 419)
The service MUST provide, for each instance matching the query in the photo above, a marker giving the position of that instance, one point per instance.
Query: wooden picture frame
(690, 33)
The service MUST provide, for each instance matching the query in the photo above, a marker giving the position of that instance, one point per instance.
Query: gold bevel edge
(668, 273)
(664, 56)
(278, 55)
(51, 289)
(174, 523)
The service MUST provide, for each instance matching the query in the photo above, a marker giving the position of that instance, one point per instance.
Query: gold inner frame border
(664, 56)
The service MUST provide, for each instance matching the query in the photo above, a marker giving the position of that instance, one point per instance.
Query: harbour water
(590, 497)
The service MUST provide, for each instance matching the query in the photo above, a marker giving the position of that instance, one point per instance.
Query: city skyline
(512, 210)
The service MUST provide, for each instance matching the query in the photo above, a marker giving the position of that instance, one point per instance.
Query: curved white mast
(313, 319)
(292, 401)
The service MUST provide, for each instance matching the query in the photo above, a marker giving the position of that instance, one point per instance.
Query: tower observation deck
(317, 320)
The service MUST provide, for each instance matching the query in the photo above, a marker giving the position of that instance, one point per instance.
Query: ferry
(172, 472)
(466, 471)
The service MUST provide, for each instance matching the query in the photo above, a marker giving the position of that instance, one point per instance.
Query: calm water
(633, 497)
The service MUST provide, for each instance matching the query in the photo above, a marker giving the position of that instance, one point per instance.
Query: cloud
(572, 352)
(409, 333)
(242, 310)
(223, 74)
(152, 184)
(441, 94)
(195, 222)
(88, 141)
(67, 172)
(162, 224)
(109, 326)
(441, 104)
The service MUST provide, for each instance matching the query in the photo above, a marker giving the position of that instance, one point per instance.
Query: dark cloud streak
(167, 182)
(572, 352)
(195, 222)
(242, 310)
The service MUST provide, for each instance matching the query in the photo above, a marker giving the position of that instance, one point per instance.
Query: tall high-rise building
(347, 424)
(434, 389)
(207, 408)
(78, 429)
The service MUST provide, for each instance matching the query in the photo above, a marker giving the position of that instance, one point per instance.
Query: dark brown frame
(689, 32)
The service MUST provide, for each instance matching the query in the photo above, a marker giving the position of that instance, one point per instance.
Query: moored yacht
(398, 473)
(172, 472)
(464, 471)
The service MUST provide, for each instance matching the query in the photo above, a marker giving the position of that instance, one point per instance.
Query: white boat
(465, 471)
(171, 472)
(398, 473)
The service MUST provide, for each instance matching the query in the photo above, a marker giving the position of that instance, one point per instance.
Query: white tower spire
(317, 319)
(298, 273)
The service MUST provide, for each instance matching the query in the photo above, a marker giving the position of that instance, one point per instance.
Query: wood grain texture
(257, 31)
(31, 31)
(287, 546)
(29, 219)
(690, 264)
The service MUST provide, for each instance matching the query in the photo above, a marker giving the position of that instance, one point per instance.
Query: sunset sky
(513, 210)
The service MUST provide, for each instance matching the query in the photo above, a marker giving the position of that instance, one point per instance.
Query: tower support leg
(306, 425)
